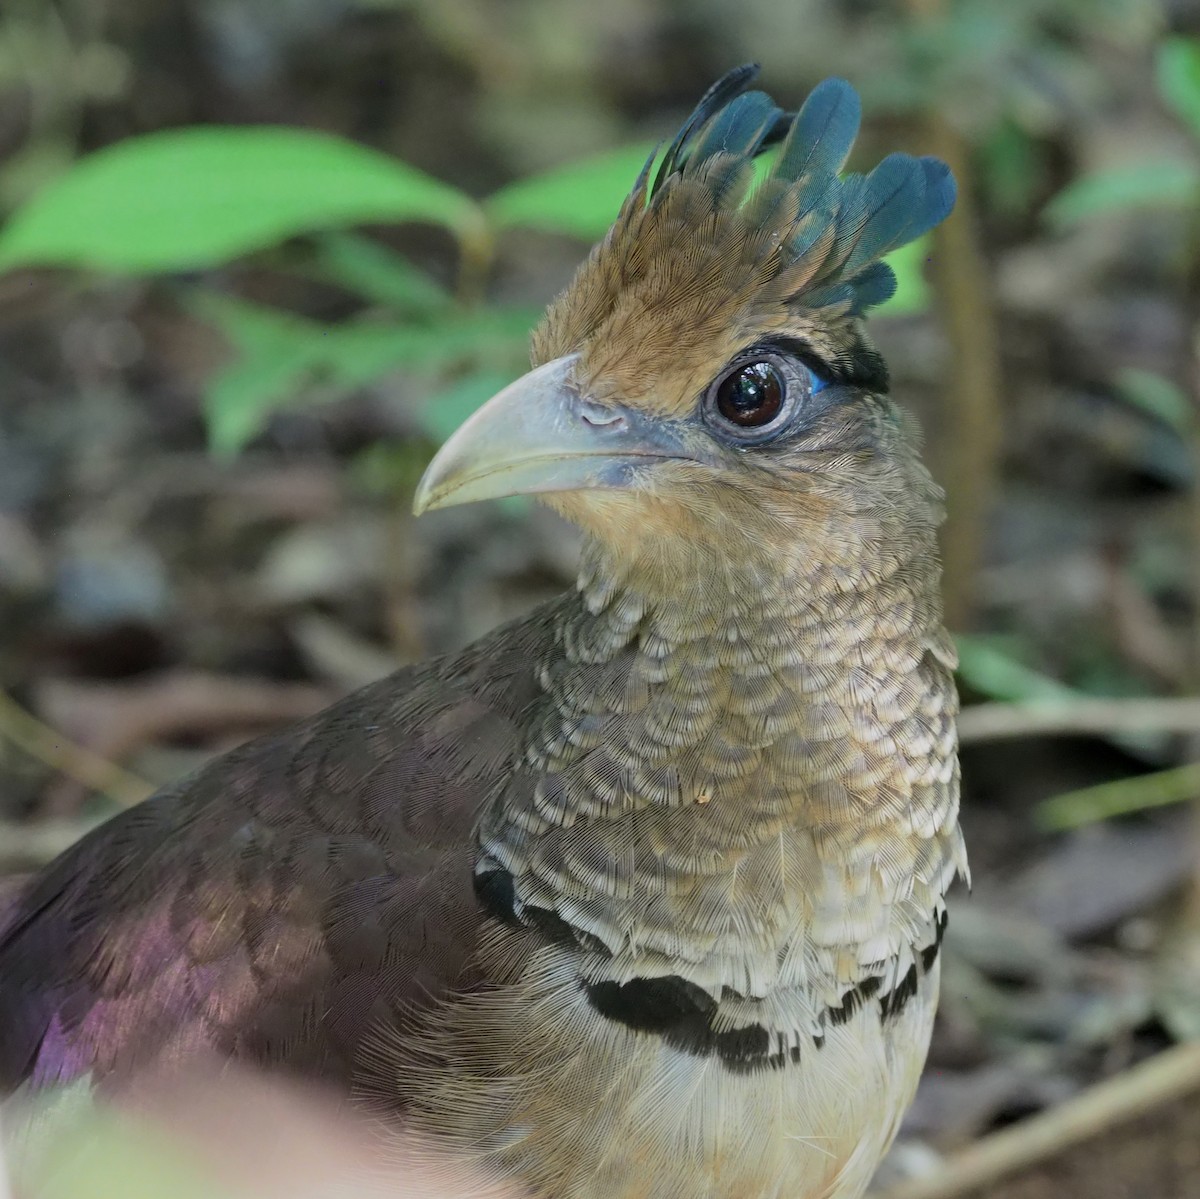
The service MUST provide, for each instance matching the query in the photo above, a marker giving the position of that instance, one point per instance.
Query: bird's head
(705, 383)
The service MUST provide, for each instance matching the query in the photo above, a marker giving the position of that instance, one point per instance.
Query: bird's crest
(703, 257)
(843, 225)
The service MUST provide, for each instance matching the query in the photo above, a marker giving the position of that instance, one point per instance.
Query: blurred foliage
(73, 1150)
(191, 199)
(992, 666)
(1178, 77)
(1156, 395)
(368, 198)
(55, 57)
(188, 199)
(1163, 183)
(281, 356)
(1018, 80)
(1121, 797)
(198, 198)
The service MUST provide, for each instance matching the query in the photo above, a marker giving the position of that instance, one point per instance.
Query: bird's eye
(751, 396)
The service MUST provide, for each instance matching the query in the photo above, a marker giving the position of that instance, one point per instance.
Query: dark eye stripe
(860, 366)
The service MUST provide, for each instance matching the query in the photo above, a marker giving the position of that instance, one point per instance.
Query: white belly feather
(598, 1111)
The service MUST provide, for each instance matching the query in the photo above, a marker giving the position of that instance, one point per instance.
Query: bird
(641, 894)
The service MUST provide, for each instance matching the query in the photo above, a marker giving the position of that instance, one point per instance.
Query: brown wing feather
(286, 899)
(11, 887)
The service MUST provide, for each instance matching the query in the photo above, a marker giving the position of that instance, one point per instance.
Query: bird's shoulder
(277, 903)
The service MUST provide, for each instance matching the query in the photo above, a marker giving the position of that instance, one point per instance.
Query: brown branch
(969, 445)
(49, 746)
(1095, 717)
(969, 448)
(1163, 1079)
(117, 719)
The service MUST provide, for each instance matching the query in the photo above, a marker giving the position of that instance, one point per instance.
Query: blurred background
(257, 257)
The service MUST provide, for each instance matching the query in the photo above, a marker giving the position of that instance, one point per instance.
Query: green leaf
(986, 666)
(379, 274)
(912, 292)
(106, 1155)
(280, 355)
(580, 199)
(357, 352)
(1157, 395)
(442, 413)
(1167, 184)
(1011, 168)
(192, 198)
(1177, 69)
(277, 353)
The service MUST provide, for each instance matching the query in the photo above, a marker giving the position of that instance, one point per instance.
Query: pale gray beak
(540, 434)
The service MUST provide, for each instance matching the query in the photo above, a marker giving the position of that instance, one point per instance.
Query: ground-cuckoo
(641, 894)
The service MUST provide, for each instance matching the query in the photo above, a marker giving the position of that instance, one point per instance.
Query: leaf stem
(477, 252)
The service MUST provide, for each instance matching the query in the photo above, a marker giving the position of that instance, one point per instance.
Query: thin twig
(970, 447)
(48, 745)
(1189, 911)
(477, 251)
(968, 450)
(1097, 717)
(5, 1185)
(34, 843)
(1153, 1084)
(1090, 805)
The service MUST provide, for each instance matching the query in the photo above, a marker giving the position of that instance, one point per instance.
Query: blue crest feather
(822, 133)
(739, 128)
(844, 224)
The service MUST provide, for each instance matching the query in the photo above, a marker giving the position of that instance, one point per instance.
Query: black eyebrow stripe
(861, 366)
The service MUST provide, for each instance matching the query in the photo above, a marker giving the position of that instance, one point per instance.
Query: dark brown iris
(752, 395)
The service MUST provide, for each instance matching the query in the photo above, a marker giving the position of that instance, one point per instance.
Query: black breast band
(682, 1014)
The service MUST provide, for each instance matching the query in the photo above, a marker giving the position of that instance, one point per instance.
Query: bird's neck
(761, 755)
